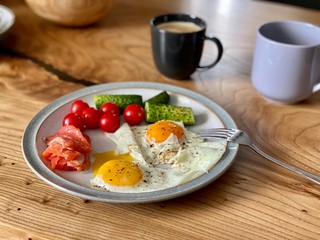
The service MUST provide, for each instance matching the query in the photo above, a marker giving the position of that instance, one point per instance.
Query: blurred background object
(71, 13)
(7, 18)
(315, 4)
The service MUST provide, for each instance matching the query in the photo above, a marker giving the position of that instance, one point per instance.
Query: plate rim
(29, 149)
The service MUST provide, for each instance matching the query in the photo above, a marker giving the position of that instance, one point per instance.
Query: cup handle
(220, 51)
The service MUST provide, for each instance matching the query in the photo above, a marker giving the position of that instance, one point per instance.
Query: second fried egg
(162, 155)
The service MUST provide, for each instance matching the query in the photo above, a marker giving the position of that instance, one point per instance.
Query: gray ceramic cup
(286, 62)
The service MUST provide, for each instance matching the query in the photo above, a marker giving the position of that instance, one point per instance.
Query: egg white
(166, 164)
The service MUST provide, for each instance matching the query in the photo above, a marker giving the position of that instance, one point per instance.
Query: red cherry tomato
(78, 106)
(133, 114)
(110, 107)
(109, 122)
(91, 117)
(73, 119)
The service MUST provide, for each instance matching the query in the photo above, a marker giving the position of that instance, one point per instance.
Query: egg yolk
(120, 172)
(160, 131)
(101, 158)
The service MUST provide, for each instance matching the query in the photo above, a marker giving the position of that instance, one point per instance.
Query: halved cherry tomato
(133, 114)
(109, 122)
(91, 117)
(73, 119)
(110, 107)
(78, 106)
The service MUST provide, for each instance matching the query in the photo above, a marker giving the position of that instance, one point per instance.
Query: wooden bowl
(71, 13)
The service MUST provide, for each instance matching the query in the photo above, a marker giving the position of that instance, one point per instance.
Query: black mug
(177, 44)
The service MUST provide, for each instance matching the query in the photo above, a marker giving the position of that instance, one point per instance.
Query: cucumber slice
(121, 100)
(156, 112)
(162, 97)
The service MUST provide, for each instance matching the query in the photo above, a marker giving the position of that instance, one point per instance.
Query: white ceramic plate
(207, 113)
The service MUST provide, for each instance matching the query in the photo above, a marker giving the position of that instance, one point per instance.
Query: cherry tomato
(110, 107)
(78, 106)
(109, 122)
(133, 114)
(91, 117)
(73, 119)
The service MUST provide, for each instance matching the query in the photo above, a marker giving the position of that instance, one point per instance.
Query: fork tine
(222, 131)
(214, 136)
(216, 133)
(214, 130)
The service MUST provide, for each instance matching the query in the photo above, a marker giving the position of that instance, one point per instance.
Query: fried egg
(161, 155)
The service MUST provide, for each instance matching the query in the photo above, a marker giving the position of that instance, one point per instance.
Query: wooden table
(254, 199)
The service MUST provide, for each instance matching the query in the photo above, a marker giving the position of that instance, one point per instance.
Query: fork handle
(310, 176)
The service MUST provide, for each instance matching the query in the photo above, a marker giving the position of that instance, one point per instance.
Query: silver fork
(236, 135)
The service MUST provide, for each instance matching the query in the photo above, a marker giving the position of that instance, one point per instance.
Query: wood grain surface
(254, 199)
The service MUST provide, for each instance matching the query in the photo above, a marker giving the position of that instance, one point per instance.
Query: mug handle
(220, 51)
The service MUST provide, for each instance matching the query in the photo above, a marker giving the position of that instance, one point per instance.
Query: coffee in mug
(179, 27)
(177, 44)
